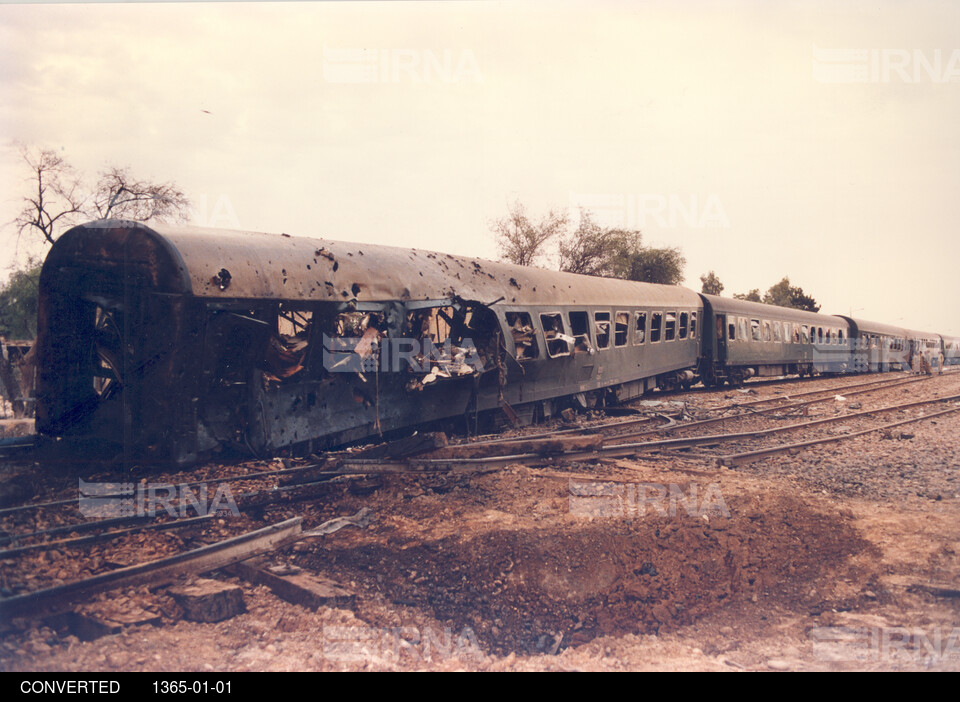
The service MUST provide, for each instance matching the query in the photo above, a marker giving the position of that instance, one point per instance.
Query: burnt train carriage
(168, 343)
(749, 339)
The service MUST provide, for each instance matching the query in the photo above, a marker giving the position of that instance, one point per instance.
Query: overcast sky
(817, 140)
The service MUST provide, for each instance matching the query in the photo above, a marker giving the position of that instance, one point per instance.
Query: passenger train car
(169, 343)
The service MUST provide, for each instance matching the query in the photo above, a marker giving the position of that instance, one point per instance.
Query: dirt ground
(842, 557)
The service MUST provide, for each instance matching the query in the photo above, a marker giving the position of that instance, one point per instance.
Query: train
(168, 344)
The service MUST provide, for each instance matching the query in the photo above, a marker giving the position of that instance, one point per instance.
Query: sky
(815, 140)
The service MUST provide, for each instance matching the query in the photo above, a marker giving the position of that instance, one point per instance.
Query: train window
(601, 323)
(621, 329)
(767, 336)
(742, 329)
(777, 332)
(755, 332)
(670, 330)
(286, 353)
(524, 335)
(640, 327)
(580, 328)
(819, 335)
(840, 336)
(804, 335)
(684, 324)
(796, 333)
(732, 330)
(656, 324)
(558, 343)
(693, 325)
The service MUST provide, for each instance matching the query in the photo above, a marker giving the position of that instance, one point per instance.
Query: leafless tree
(56, 201)
(118, 195)
(59, 198)
(521, 241)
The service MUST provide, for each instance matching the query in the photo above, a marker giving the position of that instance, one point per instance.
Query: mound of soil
(542, 589)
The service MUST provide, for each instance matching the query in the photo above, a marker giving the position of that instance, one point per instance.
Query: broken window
(777, 332)
(670, 330)
(454, 341)
(639, 327)
(755, 329)
(742, 330)
(621, 329)
(601, 324)
(767, 334)
(580, 327)
(796, 333)
(684, 324)
(558, 343)
(286, 351)
(804, 334)
(524, 335)
(732, 331)
(656, 325)
(693, 325)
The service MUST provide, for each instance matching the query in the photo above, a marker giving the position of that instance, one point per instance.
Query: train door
(723, 323)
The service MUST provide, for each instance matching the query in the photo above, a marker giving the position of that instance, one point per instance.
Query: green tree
(586, 249)
(710, 284)
(785, 295)
(632, 260)
(18, 303)
(752, 296)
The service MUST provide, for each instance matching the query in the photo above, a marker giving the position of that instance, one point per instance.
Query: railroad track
(320, 478)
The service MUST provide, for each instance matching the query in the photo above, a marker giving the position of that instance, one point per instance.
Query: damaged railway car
(169, 343)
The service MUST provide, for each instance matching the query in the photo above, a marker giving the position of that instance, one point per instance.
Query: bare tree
(57, 199)
(118, 195)
(521, 241)
(58, 202)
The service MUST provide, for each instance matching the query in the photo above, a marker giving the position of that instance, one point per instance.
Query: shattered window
(796, 333)
(693, 325)
(558, 343)
(524, 335)
(755, 329)
(767, 335)
(684, 324)
(640, 327)
(622, 329)
(656, 325)
(109, 350)
(804, 334)
(601, 324)
(286, 352)
(777, 332)
(742, 330)
(670, 332)
(580, 326)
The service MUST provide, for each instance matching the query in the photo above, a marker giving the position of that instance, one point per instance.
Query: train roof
(863, 326)
(279, 266)
(759, 309)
